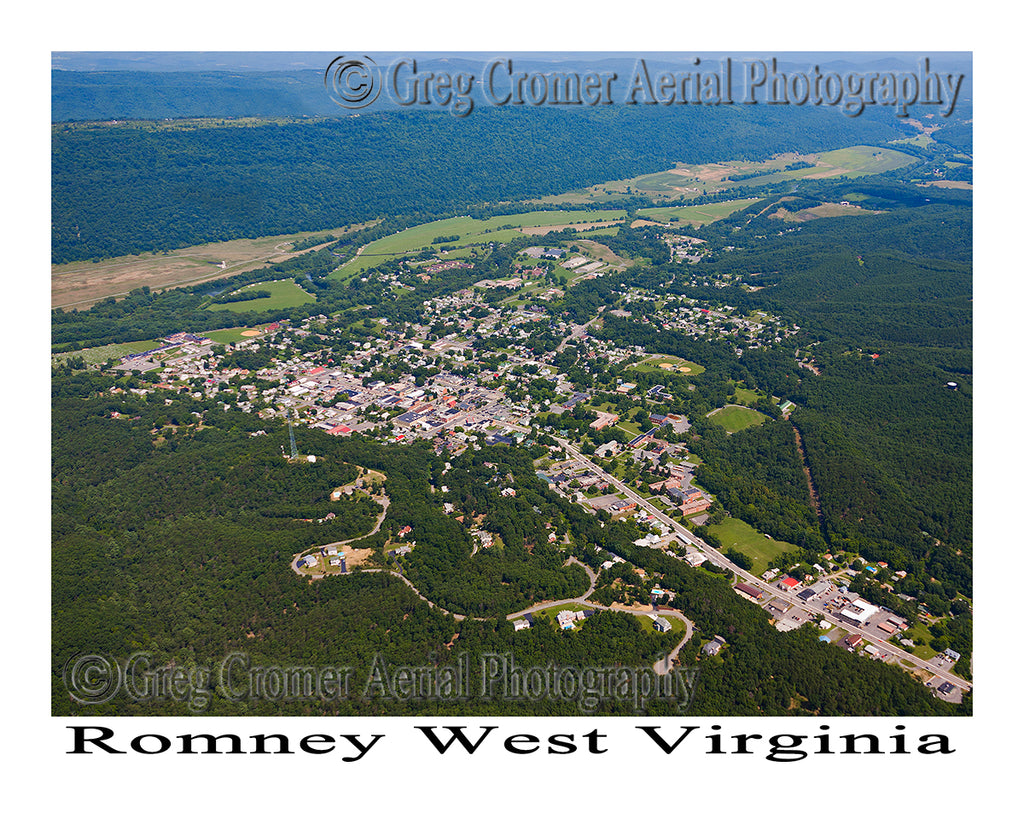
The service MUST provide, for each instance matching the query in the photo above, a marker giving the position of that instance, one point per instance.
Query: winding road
(662, 666)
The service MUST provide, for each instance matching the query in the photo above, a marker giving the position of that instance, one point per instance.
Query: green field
(746, 397)
(690, 181)
(97, 355)
(696, 214)
(921, 141)
(735, 418)
(741, 536)
(283, 294)
(470, 232)
(231, 335)
(679, 366)
(862, 160)
(921, 636)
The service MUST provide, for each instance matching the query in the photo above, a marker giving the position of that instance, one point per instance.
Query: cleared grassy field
(921, 636)
(921, 141)
(80, 284)
(735, 418)
(859, 160)
(823, 211)
(283, 294)
(741, 536)
(97, 355)
(690, 181)
(745, 396)
(697, 214)
(470, 232)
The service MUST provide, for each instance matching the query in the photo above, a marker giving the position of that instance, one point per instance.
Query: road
(688, 537)
(578, 331)
(384, 501)
(662, 666)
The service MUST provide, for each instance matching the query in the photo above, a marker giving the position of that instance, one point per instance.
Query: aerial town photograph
(545, 384)
(543, 409)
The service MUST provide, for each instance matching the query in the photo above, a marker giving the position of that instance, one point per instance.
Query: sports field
(734, 418)
(668, 364)
(283, 294)
(231, 335)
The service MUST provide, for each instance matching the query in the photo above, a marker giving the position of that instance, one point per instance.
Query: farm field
(697, 214)
(734, 418)
(741, 536)
(98, 355)
(471, 231)
(821, 211)
(283, 294)
(80, 284)
(690, 181)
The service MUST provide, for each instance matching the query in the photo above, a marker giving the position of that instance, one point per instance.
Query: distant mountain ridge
(124, 86)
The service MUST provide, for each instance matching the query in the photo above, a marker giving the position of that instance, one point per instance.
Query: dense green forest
(128, 188)
(888, 445)
(192, 563)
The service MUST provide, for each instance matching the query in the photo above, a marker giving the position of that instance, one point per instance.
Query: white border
(630, 778)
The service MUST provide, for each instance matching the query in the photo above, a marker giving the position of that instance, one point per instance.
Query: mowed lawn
(741, 536)
(734, 418)
(550, 614)
(283, 294)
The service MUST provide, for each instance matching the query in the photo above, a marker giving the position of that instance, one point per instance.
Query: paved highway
(688, 537)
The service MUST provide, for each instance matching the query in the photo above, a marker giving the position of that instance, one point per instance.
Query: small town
(479, 372)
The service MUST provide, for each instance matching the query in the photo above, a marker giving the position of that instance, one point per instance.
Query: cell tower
(291, 438)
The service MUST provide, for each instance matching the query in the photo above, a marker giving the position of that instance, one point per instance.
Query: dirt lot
(356, 557)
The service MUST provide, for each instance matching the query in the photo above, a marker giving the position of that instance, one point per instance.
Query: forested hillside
(180, 546)
(132, 187)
